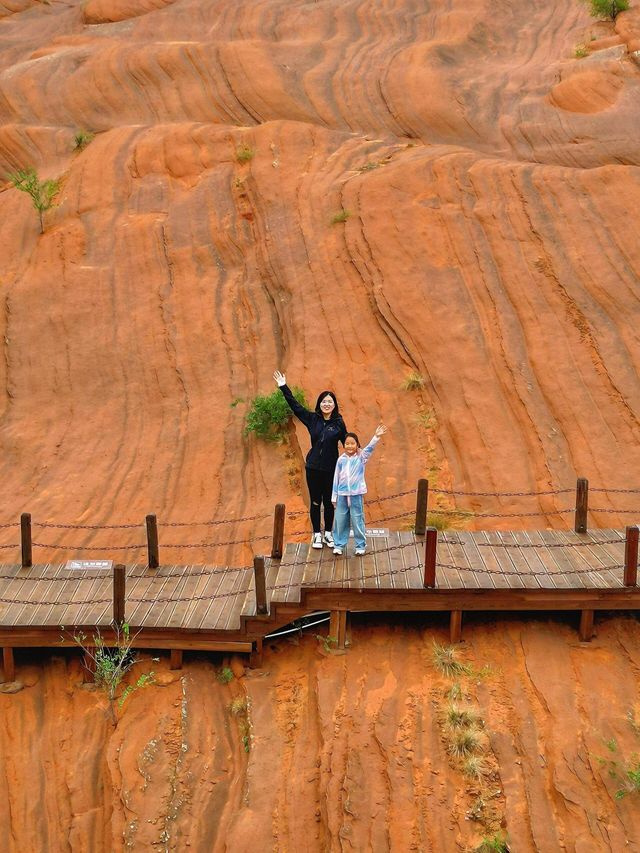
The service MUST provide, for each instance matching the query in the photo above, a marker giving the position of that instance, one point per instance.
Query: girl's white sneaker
(328, 538)
(359, 552)
(337, 551)
(316, 542)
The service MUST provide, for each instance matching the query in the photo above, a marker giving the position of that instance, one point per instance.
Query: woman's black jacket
(325, 434)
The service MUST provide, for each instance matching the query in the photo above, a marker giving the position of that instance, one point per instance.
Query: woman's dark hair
(352, 435)
(336, 412)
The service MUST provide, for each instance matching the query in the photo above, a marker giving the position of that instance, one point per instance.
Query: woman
(326, 429)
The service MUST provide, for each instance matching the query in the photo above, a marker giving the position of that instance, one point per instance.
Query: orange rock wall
(489, 176)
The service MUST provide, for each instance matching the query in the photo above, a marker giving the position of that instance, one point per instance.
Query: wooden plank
(101, 614)
(164, 616)
(80, 589)
(188, 617)
(154, 584)
(161, 611)
(231, 612)
(371, 565)
(519, 561)
(215, 614)
(214, 586)
(610, 554)
(544, 559)
(395, 560)
(413, 555)
(40, 590)
(474, 558)
(497, 558)
(580, 559)
(459, 557)
(562, 561)
(188, 589)
(446, 577)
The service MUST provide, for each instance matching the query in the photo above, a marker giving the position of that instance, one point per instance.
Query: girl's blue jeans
(349, 517)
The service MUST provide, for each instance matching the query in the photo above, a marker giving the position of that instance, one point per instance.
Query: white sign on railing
(89, 564)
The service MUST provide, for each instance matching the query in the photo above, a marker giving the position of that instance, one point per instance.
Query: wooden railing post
(278, 532)
(582, 505)
(119, 583)
(422, 501)
(430, 547)
(261, 587)
(153, 551)
(25, 540)
(631, 556)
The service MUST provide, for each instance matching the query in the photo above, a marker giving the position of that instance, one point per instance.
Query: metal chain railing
(532, 574)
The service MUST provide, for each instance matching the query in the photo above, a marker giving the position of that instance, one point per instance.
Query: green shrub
(581, 51)
(224, 675)
(446, 660)
(459, 718)
(606, 8)
(340, 217)
(269, 415)
(82, 139)
(463, 742)
(42, 192)
(244, 153)
(493, 844)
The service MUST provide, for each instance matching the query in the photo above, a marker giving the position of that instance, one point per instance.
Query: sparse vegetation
(475, 767)
(245, 153)
(606, 8)
(493, 844)
(369, 167)
(626, 774)
(239, 709)
(111, 663)
(463, 742)
(224, 675)
(327, 642)
(236, 402)
(581, 51)
(340, 217)
(437, 520)
(454, 692)
(414, 381)
(82, 139)
(445, 659)
(269, 415)
(42, 193)
(462, 717)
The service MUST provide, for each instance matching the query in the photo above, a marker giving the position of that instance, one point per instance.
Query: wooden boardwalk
(214, 608)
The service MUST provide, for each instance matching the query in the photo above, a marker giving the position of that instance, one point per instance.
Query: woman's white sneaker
(328, 538)
(316, 542)
(337, 551)
(359, 552)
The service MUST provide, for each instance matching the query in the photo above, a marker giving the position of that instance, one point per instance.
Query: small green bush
(474, 767)
(459, 718)
(463, 742)
(581, 51)
(606, 8)
(82, 139)
(269, 415)
(340, 217)
(42, 193)
(493, 844)
(224, 675)
(245, 153)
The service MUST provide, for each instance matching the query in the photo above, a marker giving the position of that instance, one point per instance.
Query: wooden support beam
(631, 556)
(586, 625)
(582, 505)
(278, 532)
(8, 664)
(422, 501)
(25, 540)
(119, 585)
(260, 583)
(455, 626)
(255, 659)
(338, 627)
(430, 548)
(176, 659)
(153, 550)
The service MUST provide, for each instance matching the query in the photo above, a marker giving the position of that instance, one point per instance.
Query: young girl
(349, 489)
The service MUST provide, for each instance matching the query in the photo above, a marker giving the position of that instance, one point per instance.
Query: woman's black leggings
(320, 487)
